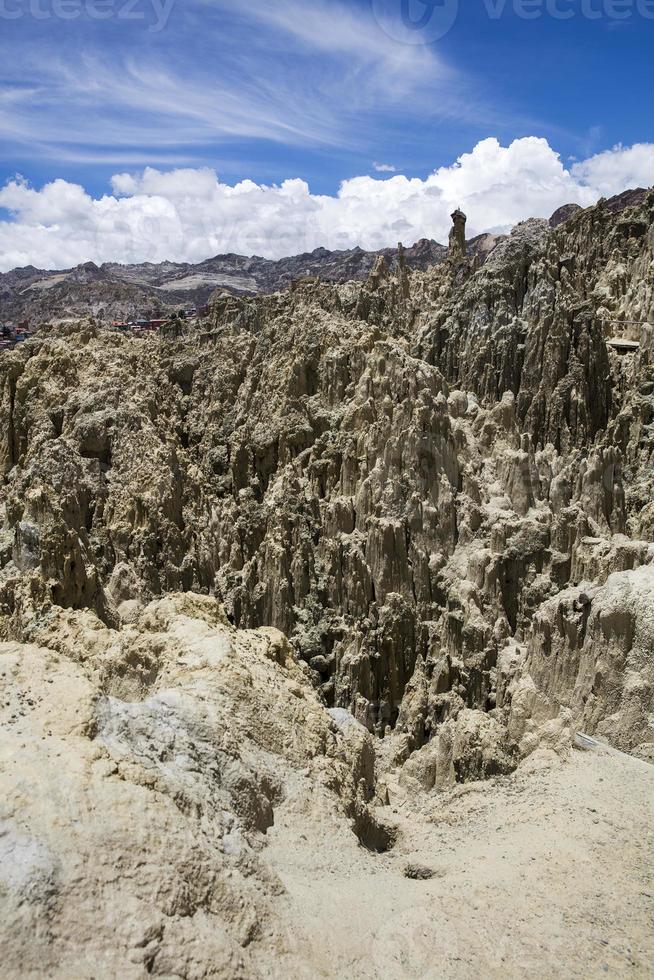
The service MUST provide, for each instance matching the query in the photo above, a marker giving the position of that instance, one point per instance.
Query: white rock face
(590, 663)
(139, 773)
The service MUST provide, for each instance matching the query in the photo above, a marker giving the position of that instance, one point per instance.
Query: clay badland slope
(437, 486)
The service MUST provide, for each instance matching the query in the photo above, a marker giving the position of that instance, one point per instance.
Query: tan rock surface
(140, 771)
(352, 546)
(544, 873)
(198, 820)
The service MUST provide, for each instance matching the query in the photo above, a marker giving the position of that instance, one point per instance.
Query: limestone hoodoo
(458, 234)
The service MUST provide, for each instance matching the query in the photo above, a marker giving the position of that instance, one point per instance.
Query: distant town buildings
(14, 333)
(145, 325)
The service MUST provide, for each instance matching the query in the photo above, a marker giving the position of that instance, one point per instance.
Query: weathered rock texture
(390, 473)
(140, 771)
(437, 485)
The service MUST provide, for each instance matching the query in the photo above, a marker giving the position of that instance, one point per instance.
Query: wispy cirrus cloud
(347, 32)
(286, 73)
(145, 103)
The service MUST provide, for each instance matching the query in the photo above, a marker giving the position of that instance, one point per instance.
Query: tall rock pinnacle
(458, 234)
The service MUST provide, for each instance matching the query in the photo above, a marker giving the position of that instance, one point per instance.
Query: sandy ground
(547, 873)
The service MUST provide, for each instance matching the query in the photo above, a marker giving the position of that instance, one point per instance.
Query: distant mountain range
(115, 292)
(119, 292)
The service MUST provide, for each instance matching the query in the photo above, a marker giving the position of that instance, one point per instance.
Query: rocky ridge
(113, 291)
(436, 484)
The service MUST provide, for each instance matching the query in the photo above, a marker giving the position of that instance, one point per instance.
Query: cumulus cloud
(190, 215)
(384, 168)
(614, 170)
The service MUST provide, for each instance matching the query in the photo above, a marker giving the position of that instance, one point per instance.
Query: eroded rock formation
(437, 485)
(139, 773)
(400, 470)
(457, 241)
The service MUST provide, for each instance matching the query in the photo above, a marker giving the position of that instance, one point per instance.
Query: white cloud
(189, 214)
(384, 168)
(614, 170)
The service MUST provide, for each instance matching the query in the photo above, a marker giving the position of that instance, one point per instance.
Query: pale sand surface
(547, 873)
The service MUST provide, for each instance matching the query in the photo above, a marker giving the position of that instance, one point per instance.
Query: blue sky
(269, 90)
(326, 91)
